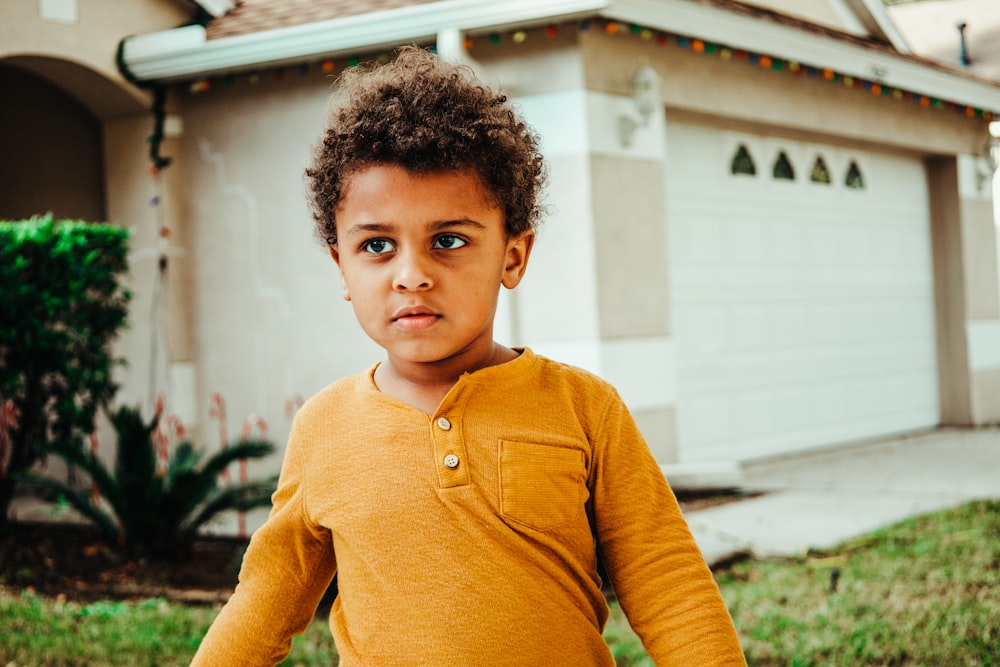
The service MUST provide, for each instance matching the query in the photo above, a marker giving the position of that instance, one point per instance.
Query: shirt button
(451, 461)
(444, 424)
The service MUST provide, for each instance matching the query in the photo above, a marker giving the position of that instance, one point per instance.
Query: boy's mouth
(415, 318)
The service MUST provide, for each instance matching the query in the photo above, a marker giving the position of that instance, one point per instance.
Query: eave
(847, 55)
(185, 53)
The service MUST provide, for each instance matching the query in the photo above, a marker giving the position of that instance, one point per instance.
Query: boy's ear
(516, 260)
(335, 254)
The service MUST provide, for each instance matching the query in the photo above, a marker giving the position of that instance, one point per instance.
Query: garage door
(803, 294)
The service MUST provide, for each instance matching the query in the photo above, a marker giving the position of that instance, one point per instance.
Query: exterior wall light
(987, 160)
(646, 97)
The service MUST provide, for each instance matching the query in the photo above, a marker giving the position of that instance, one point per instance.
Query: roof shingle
(250, 16)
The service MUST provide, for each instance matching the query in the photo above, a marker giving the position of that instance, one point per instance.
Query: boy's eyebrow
(368, 227)
(385, 227)
(461, 222)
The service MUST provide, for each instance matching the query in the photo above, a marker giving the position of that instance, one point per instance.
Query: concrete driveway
(819, 500)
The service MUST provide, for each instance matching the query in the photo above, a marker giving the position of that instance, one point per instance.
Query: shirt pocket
(541, 486)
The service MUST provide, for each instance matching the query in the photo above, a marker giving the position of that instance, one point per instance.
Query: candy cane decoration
(8, 419)
(248, 425)
(159, 436)
(95, 447)
(217, 410)
(293, 404)
(172, 429)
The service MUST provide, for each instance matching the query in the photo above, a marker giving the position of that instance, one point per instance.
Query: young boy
(461, 490)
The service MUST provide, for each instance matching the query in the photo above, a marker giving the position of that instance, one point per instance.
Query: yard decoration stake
(217, 410)
(251, 422)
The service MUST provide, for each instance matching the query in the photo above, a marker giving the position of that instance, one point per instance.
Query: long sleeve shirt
(471, 536)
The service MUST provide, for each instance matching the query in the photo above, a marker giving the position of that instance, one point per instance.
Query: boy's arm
(659, 575)
(286, 569)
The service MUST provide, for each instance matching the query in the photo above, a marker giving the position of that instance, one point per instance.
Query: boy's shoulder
(556, 387)
(545, 375)
(343, 394)
(553, 370)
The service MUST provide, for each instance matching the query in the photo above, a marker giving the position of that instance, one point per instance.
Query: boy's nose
(412, 273)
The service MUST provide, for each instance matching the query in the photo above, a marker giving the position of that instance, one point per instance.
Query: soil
(69, 561)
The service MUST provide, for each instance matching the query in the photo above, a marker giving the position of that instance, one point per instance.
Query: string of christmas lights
(662, 39)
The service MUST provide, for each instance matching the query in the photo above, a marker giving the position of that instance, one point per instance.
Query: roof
(250, 16)
(261, 34)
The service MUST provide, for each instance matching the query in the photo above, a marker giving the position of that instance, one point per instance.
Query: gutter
(846, 55)
(186, 53)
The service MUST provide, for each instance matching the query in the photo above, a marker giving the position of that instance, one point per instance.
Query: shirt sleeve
(286, 569)
(658, 572)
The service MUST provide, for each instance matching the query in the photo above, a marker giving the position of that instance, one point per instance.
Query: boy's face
(422, 258)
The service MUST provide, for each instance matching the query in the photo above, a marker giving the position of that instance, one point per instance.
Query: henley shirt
(471, 536)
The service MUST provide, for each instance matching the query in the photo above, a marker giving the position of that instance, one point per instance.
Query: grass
(56, 633)
(923, 592)
(46, 632)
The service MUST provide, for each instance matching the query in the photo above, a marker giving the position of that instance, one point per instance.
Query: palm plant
(155, 513)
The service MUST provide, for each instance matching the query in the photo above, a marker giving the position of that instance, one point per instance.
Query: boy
(462, 490)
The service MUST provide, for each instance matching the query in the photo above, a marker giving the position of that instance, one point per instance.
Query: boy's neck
(424, 385)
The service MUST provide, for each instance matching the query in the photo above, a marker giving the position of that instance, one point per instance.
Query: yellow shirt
(467, 537)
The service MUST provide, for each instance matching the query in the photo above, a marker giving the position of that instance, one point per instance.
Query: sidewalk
(820, 500)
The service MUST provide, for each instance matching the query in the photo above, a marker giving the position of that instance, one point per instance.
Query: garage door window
(855, 180)
(783, 169)
(820, 173)
(743, 162)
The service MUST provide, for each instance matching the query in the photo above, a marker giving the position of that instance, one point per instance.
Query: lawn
(923, 592)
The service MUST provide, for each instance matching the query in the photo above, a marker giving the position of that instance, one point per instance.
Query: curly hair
(426, 115)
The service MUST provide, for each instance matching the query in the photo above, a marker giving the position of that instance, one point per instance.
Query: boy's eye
(378, 246)
(449, 242)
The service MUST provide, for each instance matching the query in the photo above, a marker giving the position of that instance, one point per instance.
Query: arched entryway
(52, 132)
(53, 158)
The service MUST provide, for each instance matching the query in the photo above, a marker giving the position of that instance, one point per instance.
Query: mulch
(70, 561)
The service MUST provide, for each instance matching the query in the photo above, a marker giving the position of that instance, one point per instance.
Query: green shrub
(61, 305)
(151, 512)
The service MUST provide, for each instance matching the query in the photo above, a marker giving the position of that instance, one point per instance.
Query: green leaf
(62, 304)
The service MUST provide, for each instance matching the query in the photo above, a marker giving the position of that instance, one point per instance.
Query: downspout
(159, 109)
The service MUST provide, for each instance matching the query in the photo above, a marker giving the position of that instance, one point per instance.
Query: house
(771, 222)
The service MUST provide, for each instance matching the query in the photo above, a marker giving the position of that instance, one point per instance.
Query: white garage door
(802, 294)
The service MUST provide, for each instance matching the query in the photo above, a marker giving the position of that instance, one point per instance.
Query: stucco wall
(268, 319)
(149, 206)
(76, 46)
(981, 288)
(632, 266)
